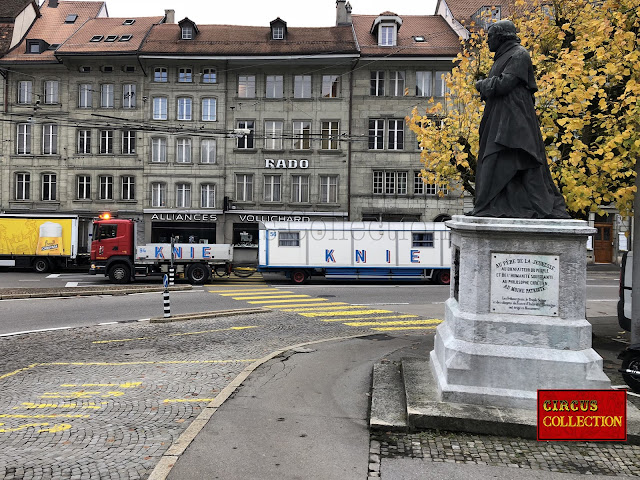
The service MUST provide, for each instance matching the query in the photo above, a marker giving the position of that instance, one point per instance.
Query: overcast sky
(297, 13)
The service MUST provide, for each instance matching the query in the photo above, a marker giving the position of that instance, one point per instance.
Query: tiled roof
(80, 42)
(463, 10)
(440, 39)
(241, 40)
(11, 8)
(6, 32)
(51, 28)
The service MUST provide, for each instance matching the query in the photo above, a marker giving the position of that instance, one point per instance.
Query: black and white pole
(172, 268)
(167, 303)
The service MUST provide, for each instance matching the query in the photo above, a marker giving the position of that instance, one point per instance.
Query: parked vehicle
(630, 356)
(356, 250)
(41, 242)
(115, 254)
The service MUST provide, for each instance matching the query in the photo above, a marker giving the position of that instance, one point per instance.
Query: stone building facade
(203, 131)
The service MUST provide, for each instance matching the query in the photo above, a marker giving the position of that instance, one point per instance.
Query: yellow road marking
(121, 385)
(42, 415)
(285, 301)
(53, 429)
(150, 362)
(179, 400)
(355, 312)
(368, 318)
(15, 372)
(269, 296)
(176, 334)
(84, 406)
(398, 322)
(388, 329)
(247, 290)
(343, 307)
(305, 305)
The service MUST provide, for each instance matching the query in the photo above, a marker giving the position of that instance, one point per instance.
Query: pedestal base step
(388, 405)
(404, 397)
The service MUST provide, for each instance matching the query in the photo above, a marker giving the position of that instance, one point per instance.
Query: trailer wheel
(631, 362)
(119, 273)
(198, 274)
(299, 277)
(41, 265)
(222, 271)
(443, 277)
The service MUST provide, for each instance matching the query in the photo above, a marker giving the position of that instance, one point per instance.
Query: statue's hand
(479, 85)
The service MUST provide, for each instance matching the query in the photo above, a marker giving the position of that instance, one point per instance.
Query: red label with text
(591, 415)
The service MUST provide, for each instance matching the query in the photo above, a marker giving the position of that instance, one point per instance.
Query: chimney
(53, 3)
(343, 12)
(170, 16)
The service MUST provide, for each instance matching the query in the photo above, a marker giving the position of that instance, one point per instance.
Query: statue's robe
(513, 178)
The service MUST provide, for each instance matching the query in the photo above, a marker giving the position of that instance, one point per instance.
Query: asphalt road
(423, 299)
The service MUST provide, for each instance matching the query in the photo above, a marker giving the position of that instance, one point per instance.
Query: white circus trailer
(356, 250)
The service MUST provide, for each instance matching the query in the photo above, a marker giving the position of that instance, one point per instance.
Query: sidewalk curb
(70, 292)
(216, 313)
(178, 447)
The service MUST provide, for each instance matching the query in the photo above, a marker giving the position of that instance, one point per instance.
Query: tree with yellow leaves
(586, 55)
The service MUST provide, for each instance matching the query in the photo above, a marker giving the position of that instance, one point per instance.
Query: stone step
(426, 411)
(388, 405)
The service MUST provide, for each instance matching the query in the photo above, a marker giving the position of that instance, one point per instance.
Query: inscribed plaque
(524, 284)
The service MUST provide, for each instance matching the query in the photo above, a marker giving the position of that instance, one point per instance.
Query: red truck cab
(112, 249)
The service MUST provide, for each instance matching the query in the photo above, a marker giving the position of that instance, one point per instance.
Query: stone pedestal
(515, 322)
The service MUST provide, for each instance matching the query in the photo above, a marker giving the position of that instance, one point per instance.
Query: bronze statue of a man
(512, 178)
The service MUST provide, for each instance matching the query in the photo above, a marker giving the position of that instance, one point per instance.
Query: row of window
(184, 109)
(382, 83)
(301, 135)
(383, 134)
(49, 187)
(51, 94)
(300, 187)
(396, 182)
(428, 84)
(418, 239)
(385, 182)
(185, 75)
(24, 133)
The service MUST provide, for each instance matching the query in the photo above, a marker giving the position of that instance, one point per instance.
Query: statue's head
(500, 32)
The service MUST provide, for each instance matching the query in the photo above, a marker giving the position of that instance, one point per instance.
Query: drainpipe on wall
(5, 75)
(353, 67)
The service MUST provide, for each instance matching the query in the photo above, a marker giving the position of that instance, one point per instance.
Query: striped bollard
(172, 276)
(167, 303)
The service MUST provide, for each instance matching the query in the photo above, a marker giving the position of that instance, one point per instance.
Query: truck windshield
(103, 232)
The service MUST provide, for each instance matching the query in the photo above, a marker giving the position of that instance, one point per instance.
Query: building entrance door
(603, 243)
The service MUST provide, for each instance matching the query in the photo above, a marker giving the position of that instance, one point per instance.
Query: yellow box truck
(41, 242)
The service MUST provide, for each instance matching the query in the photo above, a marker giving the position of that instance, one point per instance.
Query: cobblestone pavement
(106, 402)
(567, 457)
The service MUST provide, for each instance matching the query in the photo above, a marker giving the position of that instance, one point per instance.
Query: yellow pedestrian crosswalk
(318, 308)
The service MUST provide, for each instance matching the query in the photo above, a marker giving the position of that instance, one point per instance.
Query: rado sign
(271, 163)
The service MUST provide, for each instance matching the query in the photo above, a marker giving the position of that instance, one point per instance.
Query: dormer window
(129, 21)
(386, 27)
(188, 29)
(125, 38)
(111, 38)
(71, 18)
(278, 29)
(96, 38)
(387, 34)
(37, 46)
(486, 15)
